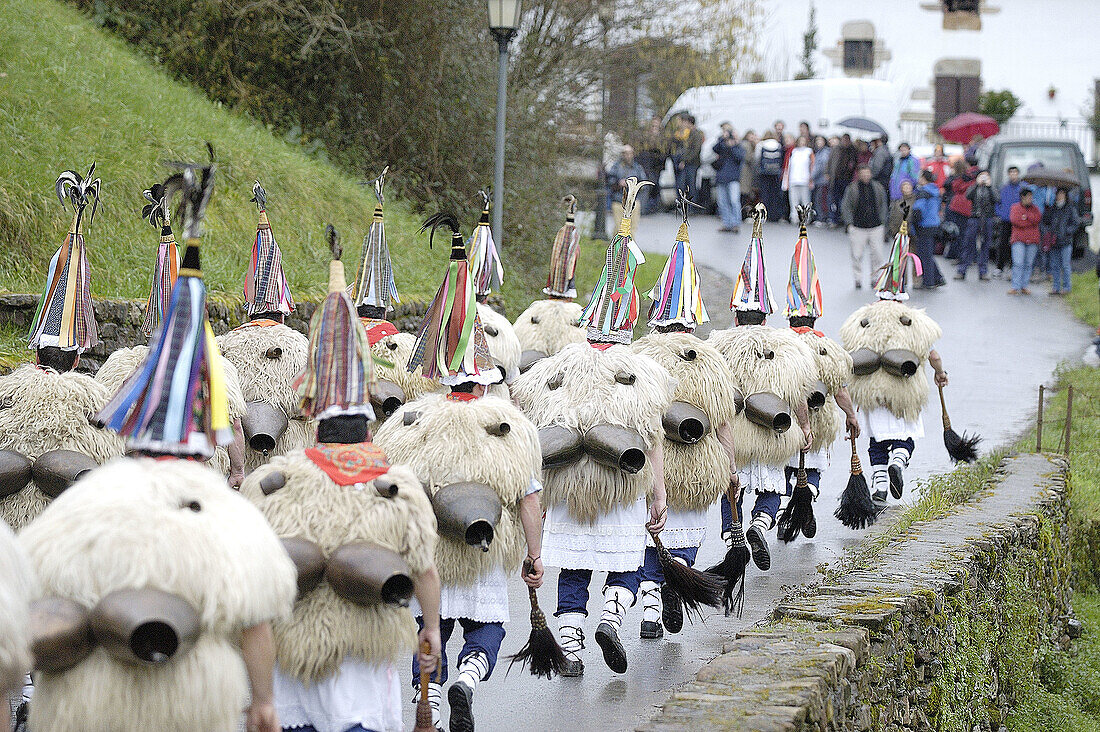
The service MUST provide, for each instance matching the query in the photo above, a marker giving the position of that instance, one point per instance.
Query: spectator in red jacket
(1025, 218)
(939, 165)
(958, 205)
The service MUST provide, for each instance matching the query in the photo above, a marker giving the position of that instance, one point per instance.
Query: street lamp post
(504, 17)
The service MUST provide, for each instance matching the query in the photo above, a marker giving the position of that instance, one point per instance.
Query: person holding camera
(727, 178)
(983, 199)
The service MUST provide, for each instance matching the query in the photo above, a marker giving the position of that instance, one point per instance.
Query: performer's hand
(532, 572)
(941, 378)
(429, 660)
(262, 717)
(658, 512)
(809, 435)
(235, 480)
(852, 423)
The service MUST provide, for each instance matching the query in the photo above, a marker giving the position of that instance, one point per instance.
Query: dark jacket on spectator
(1062, 221)
(1025, 223)
(851, 199)
(842, 163)
(727, 168)
(983, 201)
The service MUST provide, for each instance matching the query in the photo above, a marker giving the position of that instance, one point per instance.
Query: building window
(955, 95)
(962, 6)
(859, 55)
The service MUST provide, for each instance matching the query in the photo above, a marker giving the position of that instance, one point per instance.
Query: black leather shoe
(810, 529)
(614, 655)
(461, 699)
(758, 545)
(573, 668)
(651, 629)
(672, 610)
(897, 482)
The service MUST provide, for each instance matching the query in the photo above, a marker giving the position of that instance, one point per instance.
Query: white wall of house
(1026, 46)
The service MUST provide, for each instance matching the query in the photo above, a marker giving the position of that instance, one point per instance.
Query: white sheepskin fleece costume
(549, 326)
(504, 347)
(396, 349)
(462, 441)
(695, 475)
(324, 628)
(270, 379)
(765, 359)
(173, 526)
(122, 363)
(834, 368)
(17, 586)
(42, 410)
(577, 388)
(883, 326)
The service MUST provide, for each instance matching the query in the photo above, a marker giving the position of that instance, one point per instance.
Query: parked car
(999, 153)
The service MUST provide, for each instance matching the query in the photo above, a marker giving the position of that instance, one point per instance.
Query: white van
(821, 102)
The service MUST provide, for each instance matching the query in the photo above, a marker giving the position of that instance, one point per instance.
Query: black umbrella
(862, 123)
(1053, 178)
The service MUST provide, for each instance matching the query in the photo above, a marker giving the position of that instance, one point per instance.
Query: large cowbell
(467, 512)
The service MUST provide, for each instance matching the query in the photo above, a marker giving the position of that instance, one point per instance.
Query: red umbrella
(962, 128)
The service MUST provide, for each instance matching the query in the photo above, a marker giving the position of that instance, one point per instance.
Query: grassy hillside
(71, 94)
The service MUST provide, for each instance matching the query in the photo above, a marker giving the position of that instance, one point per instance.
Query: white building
(942, 55)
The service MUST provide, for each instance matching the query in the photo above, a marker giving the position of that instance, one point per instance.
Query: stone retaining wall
(120, 320)
(931, 638)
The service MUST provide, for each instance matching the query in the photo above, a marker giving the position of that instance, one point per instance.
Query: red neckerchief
(803, 329)
(602, 346)
(261, 323)
(461, 396)
(377, 329)
(361, 462)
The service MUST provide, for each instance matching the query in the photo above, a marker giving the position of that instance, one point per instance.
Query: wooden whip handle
(943, 406)
(424, 706)
(857, 469)
(800, 476)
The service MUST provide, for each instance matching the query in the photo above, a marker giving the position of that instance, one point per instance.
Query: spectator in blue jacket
(926, 217)
(1010, 196)
(907, 168)
(727, 177)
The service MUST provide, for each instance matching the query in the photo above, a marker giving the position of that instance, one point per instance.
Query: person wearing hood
(1061, 220)
(905, 169)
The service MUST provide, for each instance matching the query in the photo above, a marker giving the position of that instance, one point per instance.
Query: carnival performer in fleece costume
(830, 404)
(487, 274)
(174, 576)
(17, 585)
(549, 325)
(699, 465)
(479, 457)
(599, 407)
(775, 371)
(362, 534)
(268, 354)
(44, 407)
(890, 343)
(123, 362)
(373, 293)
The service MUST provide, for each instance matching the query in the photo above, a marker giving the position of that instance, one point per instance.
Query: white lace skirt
(683, 529)
(615, 542)
(882, 424)
(485, 601)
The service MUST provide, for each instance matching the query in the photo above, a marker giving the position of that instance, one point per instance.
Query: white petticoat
(817, 460)
(360, 693)
(485, 601)
(758, 478)
(615, 542)
(682, 529)
(881, 424)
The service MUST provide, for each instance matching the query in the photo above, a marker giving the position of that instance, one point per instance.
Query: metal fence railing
(917, 132)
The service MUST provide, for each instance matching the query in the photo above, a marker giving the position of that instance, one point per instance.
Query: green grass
(1083, 298)
(73, 94)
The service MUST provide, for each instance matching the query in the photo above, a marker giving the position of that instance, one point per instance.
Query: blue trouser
(970, 247)
(573, 588)
(311, 728)
(1023, 259)
(1060, 258)
(879, 450)
(476, 636)
(651, 568)
(813, 477)
(926, 250)
(954, 247)
(729, 203)
(685, 181)
(836, 195)
(765, 503)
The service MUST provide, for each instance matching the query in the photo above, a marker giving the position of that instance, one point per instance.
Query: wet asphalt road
(996, 349)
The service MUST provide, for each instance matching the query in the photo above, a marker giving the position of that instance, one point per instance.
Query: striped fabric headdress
(560, 283)
(803, 288)
(612, 309)
(485, 266)
(65, 318)
(451, 343)
(374, 285)
(339, 370)
(751, 291)
(677, 297)
(893, 278)
(265, 286)
(167, 265)
(175, 403)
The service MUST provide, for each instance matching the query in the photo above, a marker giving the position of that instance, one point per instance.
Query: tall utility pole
(504, 17)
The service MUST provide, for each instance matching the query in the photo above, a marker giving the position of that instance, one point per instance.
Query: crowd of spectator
(1018, 231)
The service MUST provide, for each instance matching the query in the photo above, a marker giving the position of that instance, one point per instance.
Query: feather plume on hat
(374, 285)
(166, 268)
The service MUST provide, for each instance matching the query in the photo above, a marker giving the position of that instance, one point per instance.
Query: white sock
(571, 633)
(651, 601)
(615, 602)
(473, 669)
(763, 521)
(435, 698)
(899, 456)
(880, 479)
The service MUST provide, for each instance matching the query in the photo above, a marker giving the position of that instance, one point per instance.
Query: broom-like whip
(798, 517)
(542, 654)
(732, 567)
(856, 510)
(694, 588)
(424, 706)
(962, 448)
